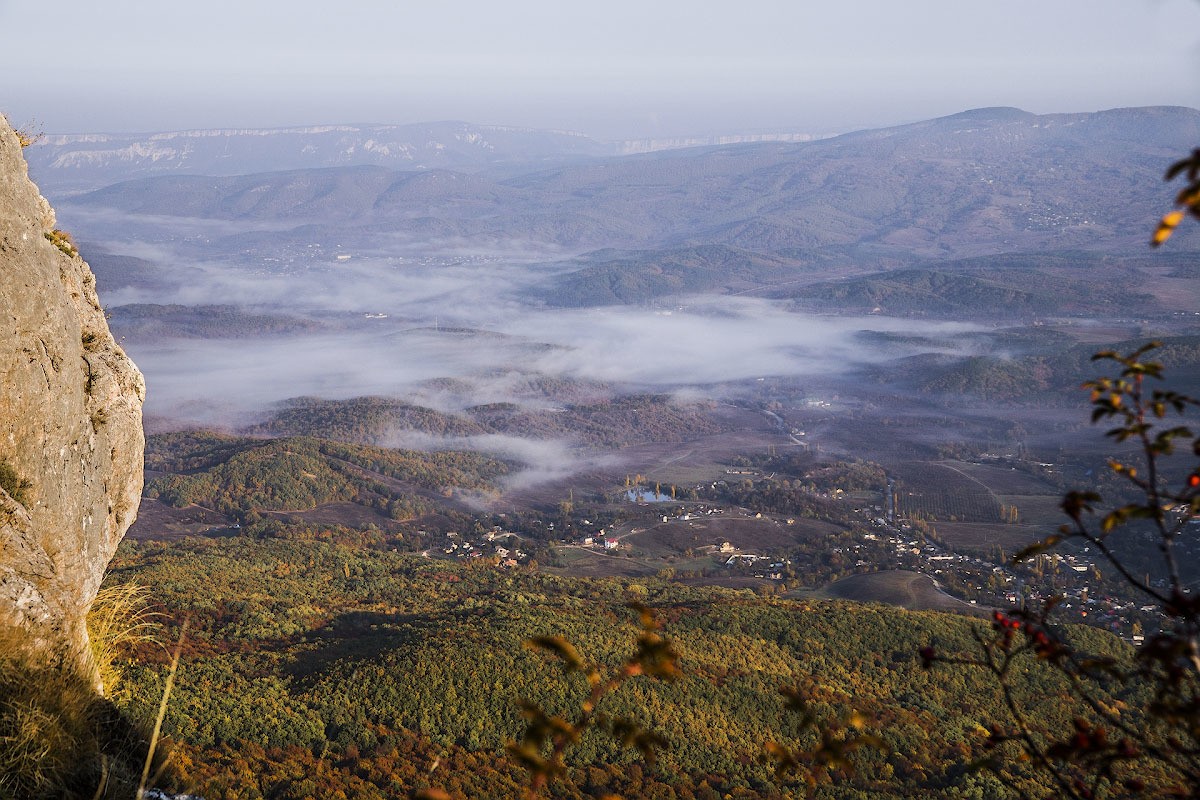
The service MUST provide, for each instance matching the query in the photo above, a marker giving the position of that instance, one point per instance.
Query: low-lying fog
(391, 326)
(712, 341)
(399, 325)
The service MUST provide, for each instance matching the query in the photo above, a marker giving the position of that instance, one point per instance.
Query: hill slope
(983, 181)
(314, 668)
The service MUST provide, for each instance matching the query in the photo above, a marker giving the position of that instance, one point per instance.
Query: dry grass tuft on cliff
(120, 619)
(57, 738)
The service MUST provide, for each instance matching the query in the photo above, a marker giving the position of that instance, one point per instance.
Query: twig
(162, 712)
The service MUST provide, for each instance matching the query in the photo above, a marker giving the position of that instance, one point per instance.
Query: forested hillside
(314, 669)
(236, 476)
(615, 422)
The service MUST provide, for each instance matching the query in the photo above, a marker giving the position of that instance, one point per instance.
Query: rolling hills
(610, 422)
(982, 181)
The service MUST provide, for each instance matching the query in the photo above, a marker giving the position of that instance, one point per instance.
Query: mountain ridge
(86, 161)
(968, 184)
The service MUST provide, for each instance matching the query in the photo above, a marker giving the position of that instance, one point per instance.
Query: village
(497, 544)
(656, 533)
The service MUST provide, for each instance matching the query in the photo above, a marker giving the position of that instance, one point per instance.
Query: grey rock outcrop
(71, 441)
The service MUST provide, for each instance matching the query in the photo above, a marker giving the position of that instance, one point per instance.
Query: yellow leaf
(432, 794)
(1166, 227)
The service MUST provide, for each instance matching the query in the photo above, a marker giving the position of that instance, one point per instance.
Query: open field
(977, 538)
(1099, 333)
(587, 563)
(910, 590)
(744, 533)
(1004, 480)
(1177, 293)
(943, 492)
(705, 459)
(157, 520)
(1041, 510)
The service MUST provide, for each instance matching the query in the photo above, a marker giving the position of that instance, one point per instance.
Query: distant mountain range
(980, 182)
(97, 159)
(90, 160)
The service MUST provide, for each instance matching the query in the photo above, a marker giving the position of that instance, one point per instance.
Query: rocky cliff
(70, 428)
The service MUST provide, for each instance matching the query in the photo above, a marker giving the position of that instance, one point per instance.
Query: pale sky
(613, 69)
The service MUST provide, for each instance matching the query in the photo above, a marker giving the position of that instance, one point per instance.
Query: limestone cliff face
(70, 428)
